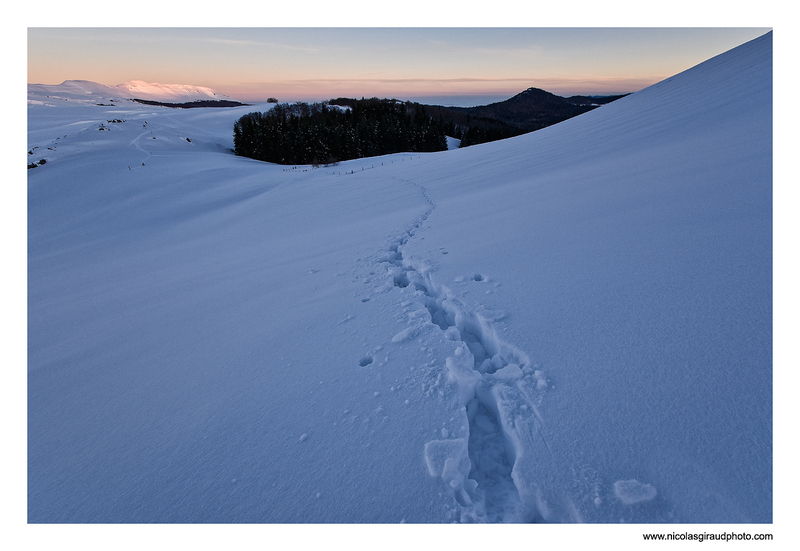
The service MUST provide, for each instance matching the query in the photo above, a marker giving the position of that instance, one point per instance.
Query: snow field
(568, 326)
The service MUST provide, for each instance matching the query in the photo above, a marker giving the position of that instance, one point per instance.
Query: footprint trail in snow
(491, 466)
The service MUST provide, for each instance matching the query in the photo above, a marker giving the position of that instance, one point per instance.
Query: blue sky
(407, 63)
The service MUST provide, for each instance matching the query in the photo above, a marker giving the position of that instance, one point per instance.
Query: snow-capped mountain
(573, 325)
(87, 91)
(168, 92)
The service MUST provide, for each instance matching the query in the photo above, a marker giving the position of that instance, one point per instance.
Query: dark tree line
(193, 104)
(482, 133)
(321, 133)
(324, 133)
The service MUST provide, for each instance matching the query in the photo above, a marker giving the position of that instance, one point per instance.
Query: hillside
(572, 325)
(533, 108)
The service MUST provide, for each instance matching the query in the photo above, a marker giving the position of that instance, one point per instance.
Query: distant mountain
(169, 92)
(535, 108)
(87, 91)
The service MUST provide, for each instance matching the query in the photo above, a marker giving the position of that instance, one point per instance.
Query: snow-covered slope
(571, 325)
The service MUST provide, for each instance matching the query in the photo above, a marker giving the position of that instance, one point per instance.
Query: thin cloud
(262, 44)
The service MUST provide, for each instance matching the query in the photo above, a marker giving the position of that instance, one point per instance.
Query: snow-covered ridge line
(156, 91)
(75, 90)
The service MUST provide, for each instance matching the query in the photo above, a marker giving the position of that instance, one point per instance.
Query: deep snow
(574, 325)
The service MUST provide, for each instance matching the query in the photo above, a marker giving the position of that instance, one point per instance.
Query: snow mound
(631, 492)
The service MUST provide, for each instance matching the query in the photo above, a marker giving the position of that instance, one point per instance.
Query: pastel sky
(251, 64)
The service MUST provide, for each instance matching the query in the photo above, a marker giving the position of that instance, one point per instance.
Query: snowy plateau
(573, 325)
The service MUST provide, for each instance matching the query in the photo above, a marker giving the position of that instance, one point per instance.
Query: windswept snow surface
(571, 325)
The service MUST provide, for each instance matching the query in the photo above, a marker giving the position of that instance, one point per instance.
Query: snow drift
(569, 326)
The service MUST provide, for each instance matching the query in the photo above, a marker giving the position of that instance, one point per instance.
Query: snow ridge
(499, 390)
